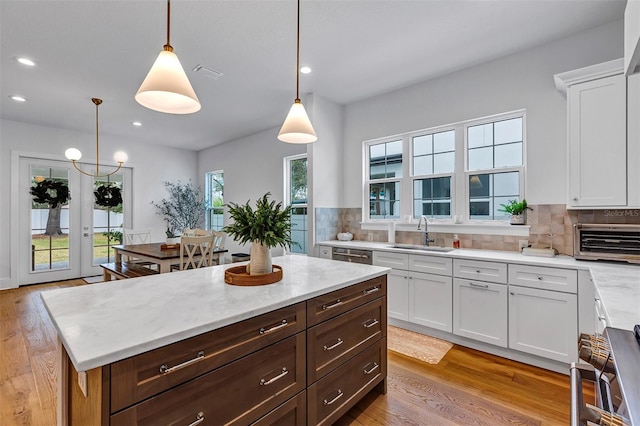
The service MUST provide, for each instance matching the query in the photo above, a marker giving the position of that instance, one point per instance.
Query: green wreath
(50, 192)
(108, 196)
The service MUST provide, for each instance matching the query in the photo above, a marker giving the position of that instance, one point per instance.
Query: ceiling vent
(212, 74)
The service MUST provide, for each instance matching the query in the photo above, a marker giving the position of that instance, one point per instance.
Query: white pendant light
(297, 127)
(74, 154)
(166, 87)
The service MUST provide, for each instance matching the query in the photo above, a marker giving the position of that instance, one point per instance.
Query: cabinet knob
(512, 293)
(575, 198)
(539, 278)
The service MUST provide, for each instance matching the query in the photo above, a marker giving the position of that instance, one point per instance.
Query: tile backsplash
(550, 225)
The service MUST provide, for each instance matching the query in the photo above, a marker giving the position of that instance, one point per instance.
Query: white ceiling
(356, 48)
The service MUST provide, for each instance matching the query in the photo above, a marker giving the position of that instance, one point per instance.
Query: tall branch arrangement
(184, 208)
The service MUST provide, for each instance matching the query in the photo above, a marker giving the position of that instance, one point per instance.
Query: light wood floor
(467, 387)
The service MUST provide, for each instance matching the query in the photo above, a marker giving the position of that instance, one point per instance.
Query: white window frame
(459, 221)
(208, 198)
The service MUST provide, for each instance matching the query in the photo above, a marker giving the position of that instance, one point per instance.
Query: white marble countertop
(617, 283)
(106, 322)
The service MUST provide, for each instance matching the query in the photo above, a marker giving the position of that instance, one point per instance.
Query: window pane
(384, 200)
(394, 149)
(422, 145)
(508, 131)
(432, 197)
(479, 186)
(214, 200)
(498, 205)
(481, 158)
(377, 152)
(506, 184)
(422, 165)
(444, 141)
(394, 170)
(444, 163)
(509, 155)
(479, 136)
(298, 180)
(385, 160)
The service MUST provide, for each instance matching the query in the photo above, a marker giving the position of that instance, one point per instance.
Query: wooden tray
(238, 276)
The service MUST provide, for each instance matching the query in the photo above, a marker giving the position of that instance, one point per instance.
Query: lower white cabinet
(543, 323)
(480, 311)
(430, 299)
(325, 252)
(398, 294)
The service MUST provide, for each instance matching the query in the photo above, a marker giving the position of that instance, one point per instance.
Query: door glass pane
(107, 217)
(49, 218)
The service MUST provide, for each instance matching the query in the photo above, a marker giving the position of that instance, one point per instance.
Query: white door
(430, 300)
(69, 240)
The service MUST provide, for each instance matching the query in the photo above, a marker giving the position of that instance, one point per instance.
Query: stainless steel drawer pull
(372, 369)
(274, 328)
(335, 345)
(370, 323)
(333, 305)
(371, 290)
(166, 370)
(539, 278)
(479, 285)
(199, 419)
(337, 397)
(284, 372)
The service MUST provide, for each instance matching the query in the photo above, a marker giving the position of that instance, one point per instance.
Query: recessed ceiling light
(18, 98)
(305, 70)
(136, 123)
(26, 61)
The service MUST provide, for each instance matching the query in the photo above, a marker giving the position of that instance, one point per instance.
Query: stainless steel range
(607, 242)
(614, 370)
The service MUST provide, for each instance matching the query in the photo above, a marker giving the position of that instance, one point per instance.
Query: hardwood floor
(466, 388)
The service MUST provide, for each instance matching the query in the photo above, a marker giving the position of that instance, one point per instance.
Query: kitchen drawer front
(480, 270)
(291, 413)
(391, 260)
(431, 264)
(139, 377)
(337, 302)
(333, 395)
(333, 342)
(238, 393)
(544, 278)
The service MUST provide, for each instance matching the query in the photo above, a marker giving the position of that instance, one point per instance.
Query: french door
(66, 237)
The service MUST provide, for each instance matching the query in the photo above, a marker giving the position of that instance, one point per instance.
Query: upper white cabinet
(632, 37)
(599, 106)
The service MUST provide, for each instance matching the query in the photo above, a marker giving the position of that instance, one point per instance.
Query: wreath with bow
(50, 192)
(108, 196)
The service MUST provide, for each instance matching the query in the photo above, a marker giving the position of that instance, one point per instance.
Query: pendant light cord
(168, 45)
(298, 58)
(97, 102)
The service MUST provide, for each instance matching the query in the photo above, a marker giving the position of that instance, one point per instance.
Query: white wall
(522, 80)
(252, 167)
(152, 165)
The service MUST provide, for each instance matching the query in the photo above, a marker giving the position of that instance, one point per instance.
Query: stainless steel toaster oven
(607, 242)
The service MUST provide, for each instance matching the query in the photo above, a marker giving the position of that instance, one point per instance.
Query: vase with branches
(184, 208)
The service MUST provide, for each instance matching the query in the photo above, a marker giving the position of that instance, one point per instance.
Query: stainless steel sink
(422, 248)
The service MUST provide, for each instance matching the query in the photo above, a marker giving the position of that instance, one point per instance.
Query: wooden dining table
(154, 253)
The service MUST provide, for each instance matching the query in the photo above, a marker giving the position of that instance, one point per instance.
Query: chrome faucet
(427, 240)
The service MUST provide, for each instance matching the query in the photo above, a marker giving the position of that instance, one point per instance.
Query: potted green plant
(184, 208)
(517, 210)
(266, 226)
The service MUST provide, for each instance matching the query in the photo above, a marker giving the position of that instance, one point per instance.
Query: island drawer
(557, 279)
(142, 376)
(291, 413)
(331, 343)
(480, 270)
(333, 395)
(238, 393)
(337, 302)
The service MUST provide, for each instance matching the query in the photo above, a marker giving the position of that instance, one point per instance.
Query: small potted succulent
(517, 210)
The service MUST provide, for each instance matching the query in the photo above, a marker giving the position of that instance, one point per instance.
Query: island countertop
(106, 322)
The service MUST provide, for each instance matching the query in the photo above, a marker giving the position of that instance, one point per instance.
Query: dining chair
(219, 239)
(136, 236)
(195, 252)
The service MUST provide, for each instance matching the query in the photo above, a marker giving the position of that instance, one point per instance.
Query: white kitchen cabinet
(480, 311)
(430, 300)
(597, 126)
(325, 252)
(543, 323)
(544, 278)
(398, 294)
(480, 270)
(430, 264)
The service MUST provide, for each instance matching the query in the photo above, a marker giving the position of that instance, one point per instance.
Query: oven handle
(579, 372)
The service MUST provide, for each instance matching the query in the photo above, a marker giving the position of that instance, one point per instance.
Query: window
(296, 196)
(465, 169)
(214, 187)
